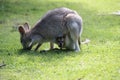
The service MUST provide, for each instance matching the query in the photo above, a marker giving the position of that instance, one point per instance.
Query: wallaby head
(25, 36)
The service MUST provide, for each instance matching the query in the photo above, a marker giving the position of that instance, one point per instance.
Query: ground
(98, 60)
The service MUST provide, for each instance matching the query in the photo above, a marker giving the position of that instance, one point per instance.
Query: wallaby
(56, 22)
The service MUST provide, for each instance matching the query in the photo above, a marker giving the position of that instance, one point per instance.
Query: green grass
(99, 60)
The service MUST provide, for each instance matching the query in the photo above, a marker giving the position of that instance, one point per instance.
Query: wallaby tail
(86, 41)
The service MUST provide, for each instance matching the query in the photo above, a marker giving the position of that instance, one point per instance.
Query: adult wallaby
(57, 22)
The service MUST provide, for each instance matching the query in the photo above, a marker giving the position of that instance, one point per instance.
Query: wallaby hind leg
(74, 35)
(74, 25)
(74, 44)
(68, 43)
(71, 43)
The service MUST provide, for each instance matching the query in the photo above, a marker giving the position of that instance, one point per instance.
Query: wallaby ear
(21, 30)
(26, 26)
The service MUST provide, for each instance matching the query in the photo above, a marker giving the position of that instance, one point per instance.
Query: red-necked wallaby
(55, 23)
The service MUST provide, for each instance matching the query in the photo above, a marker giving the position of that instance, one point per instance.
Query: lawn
(98, 60)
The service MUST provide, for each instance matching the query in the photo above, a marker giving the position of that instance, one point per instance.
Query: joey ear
(21, 30)
(26, 26)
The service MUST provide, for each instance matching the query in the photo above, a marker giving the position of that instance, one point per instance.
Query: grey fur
(56, 22)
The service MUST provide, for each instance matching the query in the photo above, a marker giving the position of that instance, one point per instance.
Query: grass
(99, 60)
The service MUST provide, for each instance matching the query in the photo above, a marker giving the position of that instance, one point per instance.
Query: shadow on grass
(45, 52)
(53, 52)
(48, 55)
